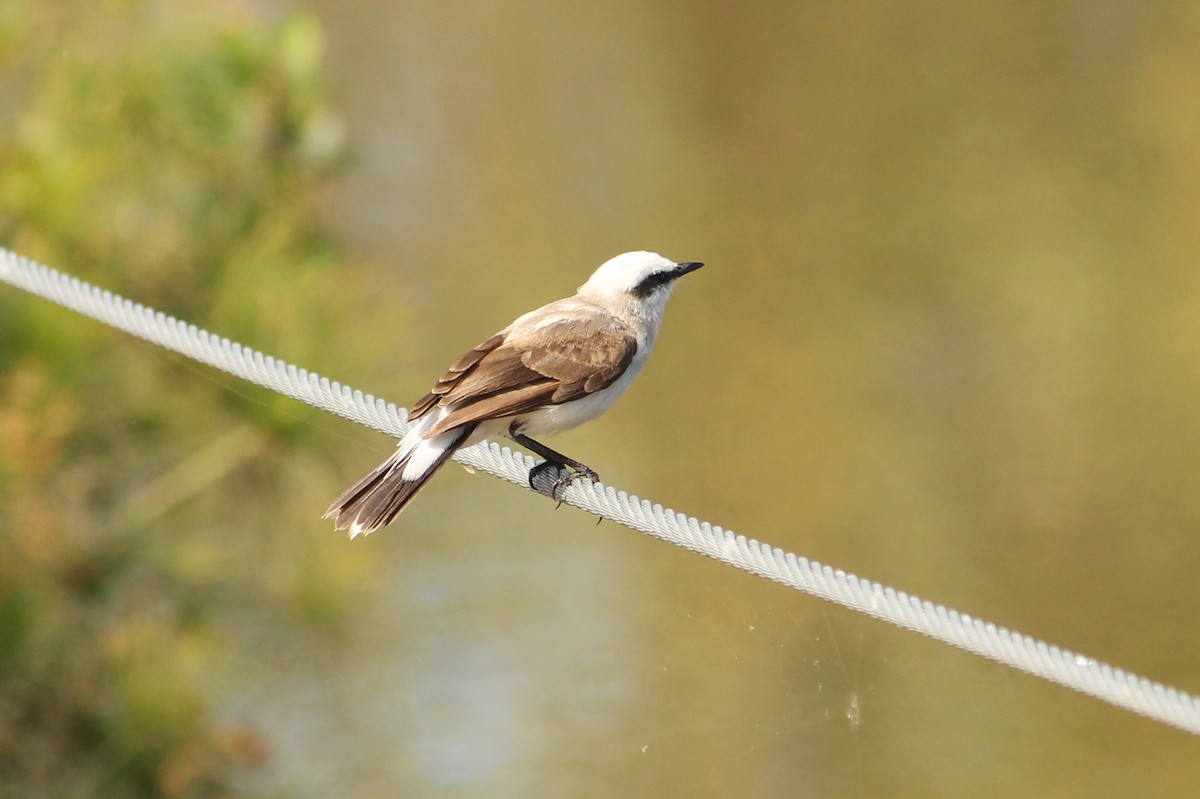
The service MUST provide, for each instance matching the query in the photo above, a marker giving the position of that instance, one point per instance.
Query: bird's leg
(570, 470)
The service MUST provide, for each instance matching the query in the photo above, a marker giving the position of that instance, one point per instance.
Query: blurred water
(946, 339)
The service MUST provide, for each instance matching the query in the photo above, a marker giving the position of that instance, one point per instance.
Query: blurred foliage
(173, 155)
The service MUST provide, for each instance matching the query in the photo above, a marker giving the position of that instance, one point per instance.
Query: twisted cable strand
(1080, 673)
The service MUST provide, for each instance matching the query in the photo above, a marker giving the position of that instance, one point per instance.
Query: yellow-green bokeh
(946, 338)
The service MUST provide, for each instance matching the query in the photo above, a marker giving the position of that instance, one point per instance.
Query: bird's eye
(651, 282)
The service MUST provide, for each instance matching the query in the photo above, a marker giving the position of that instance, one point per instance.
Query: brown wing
(509, 375)
(454, 375)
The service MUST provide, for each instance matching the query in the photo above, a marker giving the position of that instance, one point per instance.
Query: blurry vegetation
(174, 155)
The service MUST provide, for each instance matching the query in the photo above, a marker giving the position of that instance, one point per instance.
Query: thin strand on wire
(1089, 676)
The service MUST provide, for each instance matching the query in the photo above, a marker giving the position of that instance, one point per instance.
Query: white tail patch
(427, 454)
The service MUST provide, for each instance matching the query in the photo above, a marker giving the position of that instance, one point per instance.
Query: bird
(551, 370)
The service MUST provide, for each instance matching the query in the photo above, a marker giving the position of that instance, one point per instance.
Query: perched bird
(550, 370)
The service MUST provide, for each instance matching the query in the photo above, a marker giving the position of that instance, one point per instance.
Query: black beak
(688, 266)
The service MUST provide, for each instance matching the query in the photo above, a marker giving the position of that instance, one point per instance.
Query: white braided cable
(1038, 658)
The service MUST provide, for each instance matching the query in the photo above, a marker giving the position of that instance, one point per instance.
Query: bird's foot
(567, 473)
(566, 477)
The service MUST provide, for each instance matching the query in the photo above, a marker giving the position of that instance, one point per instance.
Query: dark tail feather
(376, 499)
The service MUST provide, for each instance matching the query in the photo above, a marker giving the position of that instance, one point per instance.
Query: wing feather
(454, 374)
(508, 374)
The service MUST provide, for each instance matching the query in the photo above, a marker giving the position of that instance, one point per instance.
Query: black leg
(570, 470)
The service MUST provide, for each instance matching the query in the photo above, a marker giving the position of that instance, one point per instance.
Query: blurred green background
(948, 338)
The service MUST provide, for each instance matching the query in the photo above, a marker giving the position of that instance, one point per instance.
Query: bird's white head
(643, 279)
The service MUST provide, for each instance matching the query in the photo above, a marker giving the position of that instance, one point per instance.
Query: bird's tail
(387, 489)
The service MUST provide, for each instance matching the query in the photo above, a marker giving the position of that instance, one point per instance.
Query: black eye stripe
(651, 282)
